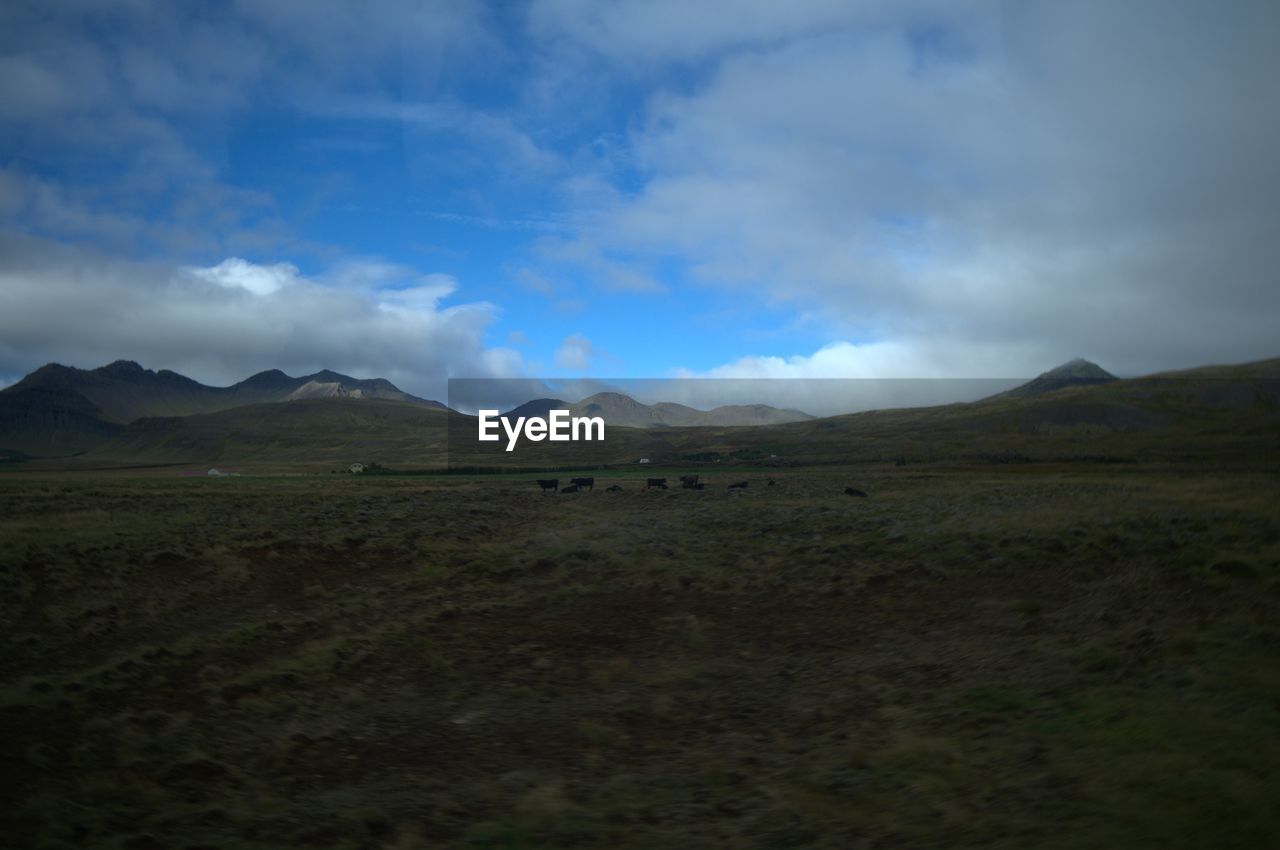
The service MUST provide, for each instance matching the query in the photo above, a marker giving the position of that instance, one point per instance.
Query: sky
(570, 188)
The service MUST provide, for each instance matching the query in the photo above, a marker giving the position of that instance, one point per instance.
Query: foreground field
(1013, 656)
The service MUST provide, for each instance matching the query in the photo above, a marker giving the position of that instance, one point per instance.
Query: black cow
(549, 484)
(741, 485)
(613, 488)
(772, 482)
(572, 488)
(589, 483)
(853, 491)
(656, 482)
(688, 480)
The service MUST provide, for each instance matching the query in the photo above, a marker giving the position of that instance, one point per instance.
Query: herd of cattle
(687, 482)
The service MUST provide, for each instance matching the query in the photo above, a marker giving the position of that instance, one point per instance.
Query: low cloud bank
(222, 323)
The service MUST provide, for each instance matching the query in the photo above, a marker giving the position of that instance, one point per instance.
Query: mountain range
(123, 414)
(621, 410)
(59, 410)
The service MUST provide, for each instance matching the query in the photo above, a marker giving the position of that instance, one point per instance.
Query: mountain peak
(328, 376)
(121, 369)
(609, 397)
(537, 407)
(270, 377)
(323, 389)
(1079, 369)
(1074, 373)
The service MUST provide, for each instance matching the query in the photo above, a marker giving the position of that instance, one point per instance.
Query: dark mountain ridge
(537, 407)
(58, 410)
(124, 391)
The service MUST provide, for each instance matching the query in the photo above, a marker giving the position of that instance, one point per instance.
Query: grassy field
(972, 656)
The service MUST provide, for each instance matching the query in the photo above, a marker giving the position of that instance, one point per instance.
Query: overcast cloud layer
(575, 187)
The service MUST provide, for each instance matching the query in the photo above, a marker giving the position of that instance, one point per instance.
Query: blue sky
(561, 187)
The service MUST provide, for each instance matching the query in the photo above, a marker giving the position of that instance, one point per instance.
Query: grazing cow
(572, 488)
(772, 482)
(549, 484)
(589, 483)
(853, 491)
(613, 488)
(688, 480)
(741, 485)
(656, 482)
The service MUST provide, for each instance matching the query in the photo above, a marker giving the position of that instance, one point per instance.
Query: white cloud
(222, 323)
(484, 137)
(658, 31)
(29, 91)
(154, 103)
(618, 276)
(981, 187)
(839, 360)
(576, 353)
(1020, 181)
(532, 281)
(844, 377)
(235, 273)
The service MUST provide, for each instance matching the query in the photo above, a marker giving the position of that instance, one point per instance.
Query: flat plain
(974, 655)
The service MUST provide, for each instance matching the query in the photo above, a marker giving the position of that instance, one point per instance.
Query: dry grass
(970, 657)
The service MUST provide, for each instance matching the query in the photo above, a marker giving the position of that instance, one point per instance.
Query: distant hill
(537, 407)
(335, 431)
(60, 410)
(750, 414)
(622, 410)
(1074, 373)
(327, 433)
